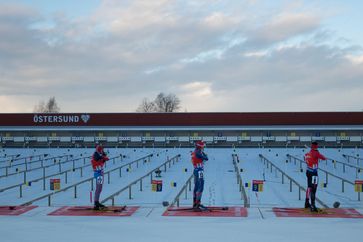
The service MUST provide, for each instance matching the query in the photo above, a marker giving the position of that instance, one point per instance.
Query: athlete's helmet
(200, 144)
(99, 148)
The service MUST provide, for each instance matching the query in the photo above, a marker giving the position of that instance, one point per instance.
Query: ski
(303, 210)
(105, 210)
(7, 207)
(205, 209)
(217, 208)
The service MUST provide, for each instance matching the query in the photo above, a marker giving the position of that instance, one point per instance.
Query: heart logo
(85, 117)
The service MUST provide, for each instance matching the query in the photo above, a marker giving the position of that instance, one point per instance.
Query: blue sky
(243, 55)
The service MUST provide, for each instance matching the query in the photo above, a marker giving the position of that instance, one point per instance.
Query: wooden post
(43, 178)
(342, 185)
(282, 180)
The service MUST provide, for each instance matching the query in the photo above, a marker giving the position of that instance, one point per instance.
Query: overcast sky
(216, 56)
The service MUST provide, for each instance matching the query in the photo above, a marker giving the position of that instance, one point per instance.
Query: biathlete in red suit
(312, 163)
(98, 161)
(198, 158)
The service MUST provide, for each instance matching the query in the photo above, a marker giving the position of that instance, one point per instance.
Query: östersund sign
(43, 118)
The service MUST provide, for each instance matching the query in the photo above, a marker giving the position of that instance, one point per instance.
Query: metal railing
(353, 157)
(129, 186)
(56, 163)
(17, 157)
(357, 168)
(187, 184)
(27, 163)
(291, 180)
(74, 186)
(244, 197)
(327, 173)
(44, 177)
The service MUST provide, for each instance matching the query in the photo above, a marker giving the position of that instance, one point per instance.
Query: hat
(314, 145)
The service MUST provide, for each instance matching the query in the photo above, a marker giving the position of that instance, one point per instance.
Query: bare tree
(146, 107)
(162, 104)
(50, 107)
(167, 103)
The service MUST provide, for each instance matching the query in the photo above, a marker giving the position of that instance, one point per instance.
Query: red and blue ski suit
(312, 163)
(198, 157)
(98, 161)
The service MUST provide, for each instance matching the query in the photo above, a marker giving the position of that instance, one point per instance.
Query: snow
(221, 188)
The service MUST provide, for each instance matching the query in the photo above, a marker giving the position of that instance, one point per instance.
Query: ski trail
(278, 195)
(219, 180)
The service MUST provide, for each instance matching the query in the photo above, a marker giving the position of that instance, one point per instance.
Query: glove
(206, 156)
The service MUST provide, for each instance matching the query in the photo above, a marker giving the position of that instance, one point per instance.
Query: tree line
(163, 103)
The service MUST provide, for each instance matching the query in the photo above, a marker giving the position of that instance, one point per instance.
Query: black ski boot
(99, 206)
(202, 207)
(196, 207)
(307, 204)
(313, 209)
(96, 206)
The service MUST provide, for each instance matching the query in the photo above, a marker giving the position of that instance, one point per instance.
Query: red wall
(185, 119)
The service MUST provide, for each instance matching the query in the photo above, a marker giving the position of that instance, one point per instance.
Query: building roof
(182, 119)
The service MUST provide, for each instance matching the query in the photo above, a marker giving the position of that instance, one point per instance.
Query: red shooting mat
(15, 210)
(231, 212)
(88, 211)
(325, 213)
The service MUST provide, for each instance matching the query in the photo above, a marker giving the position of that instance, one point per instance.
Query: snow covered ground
(221, 189)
